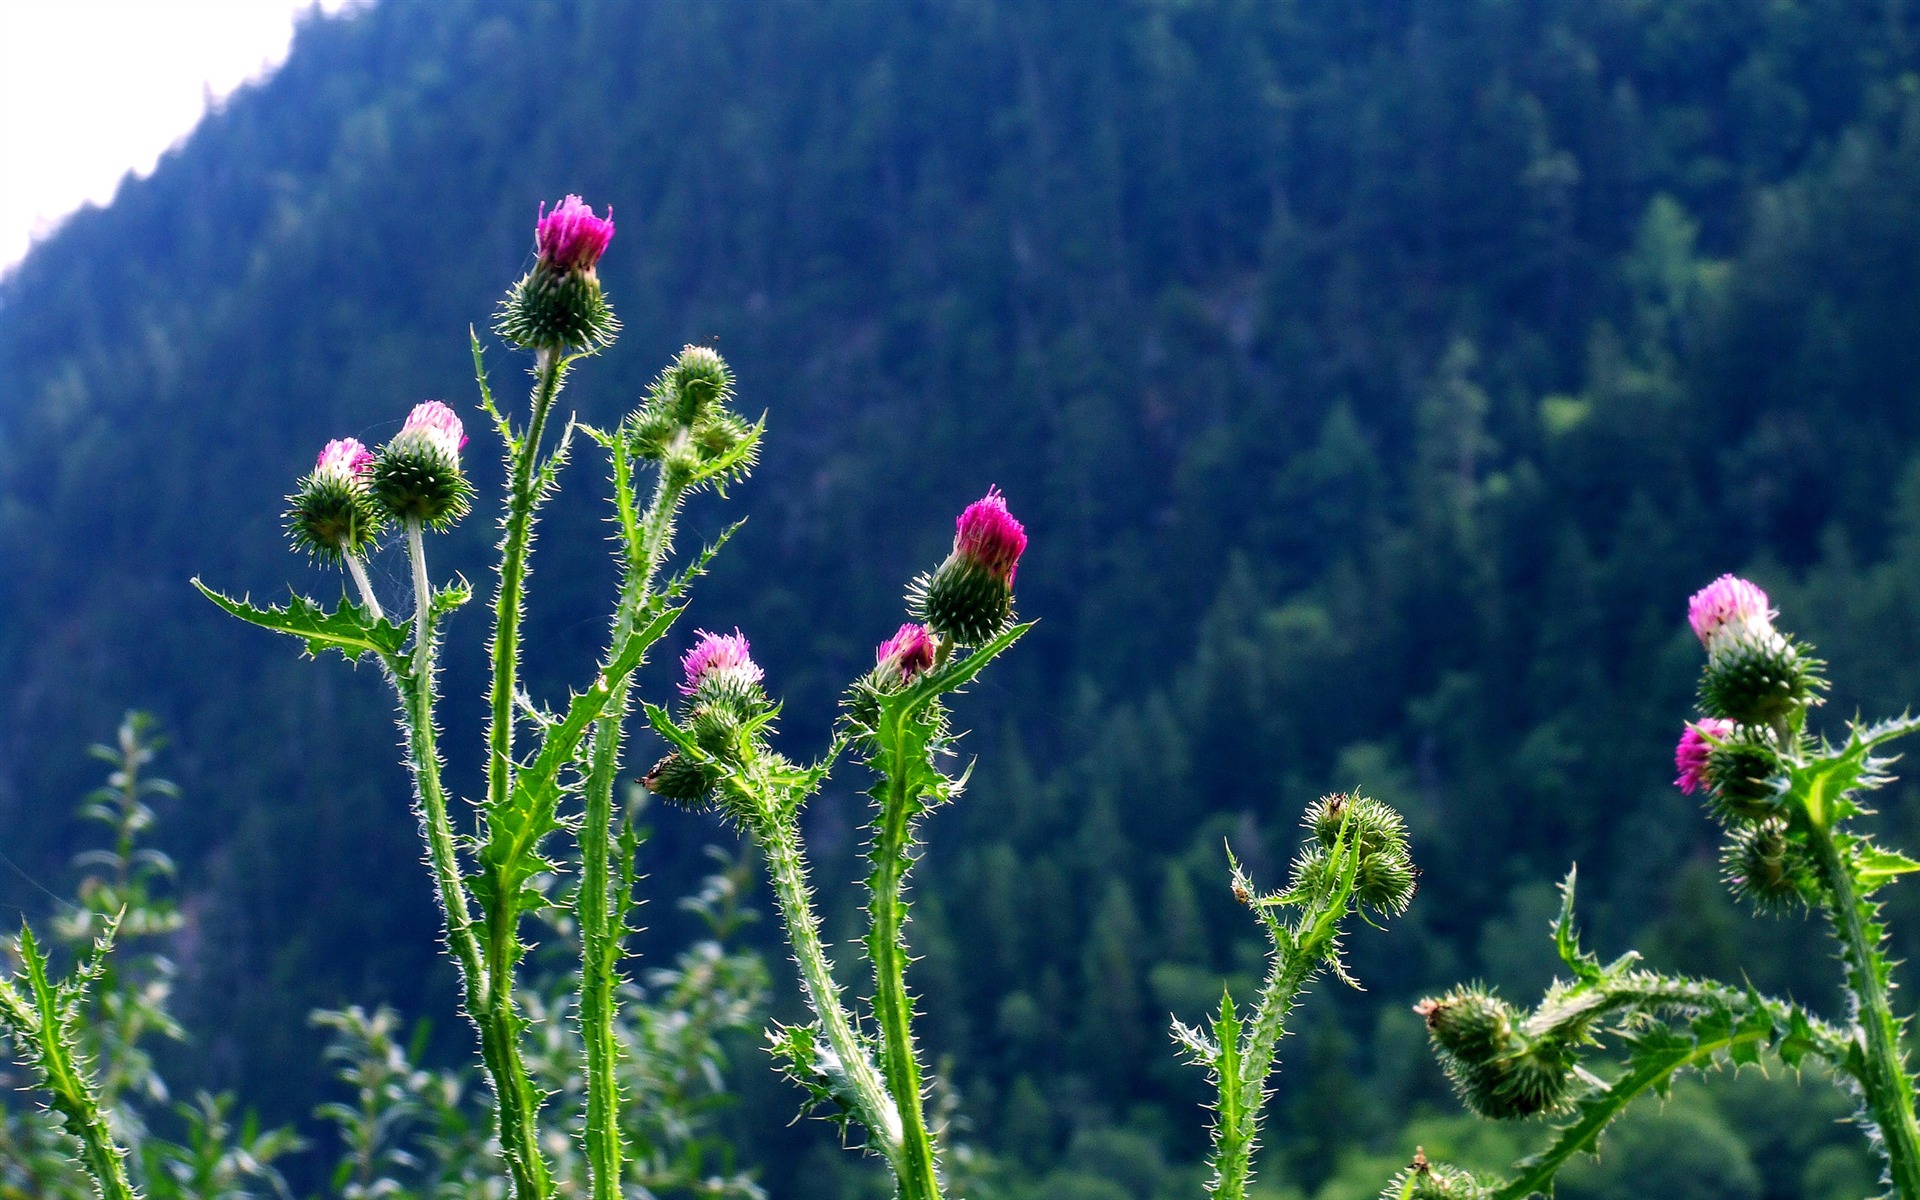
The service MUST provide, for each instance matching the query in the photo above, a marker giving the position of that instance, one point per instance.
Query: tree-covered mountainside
(1375, 381)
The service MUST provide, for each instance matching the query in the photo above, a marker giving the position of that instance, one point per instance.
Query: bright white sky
(92, 89)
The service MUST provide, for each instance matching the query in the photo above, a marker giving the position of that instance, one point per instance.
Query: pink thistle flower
(571, 238)
(344, 460)
(1728, 605)
(988, 536)
(437, 425)
(1696, 746)
(724, 656)
(905, 655)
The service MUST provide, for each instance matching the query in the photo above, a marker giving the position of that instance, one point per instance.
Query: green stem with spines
(598, 908)
(499, 1039)
(39, 1025)
(1536, 1176)
(1888, 1089)
(786, 866)
(893, 1010)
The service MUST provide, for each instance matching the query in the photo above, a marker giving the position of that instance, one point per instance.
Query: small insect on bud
(721, 674)
(416, 476)
(1423, 1180)
(1469, 1024)
(969, 598)
(680, 780)
(332, 513)
(559, 302)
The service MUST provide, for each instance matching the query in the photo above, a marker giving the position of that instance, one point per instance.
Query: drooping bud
(969, 598)
(331, 513)
(720, 671)
(680, 780)
(559, 304)
(1762, 865)
(1729, 607)
(416, 476)
(904, 657)
(1696, 746)
(1743, 777)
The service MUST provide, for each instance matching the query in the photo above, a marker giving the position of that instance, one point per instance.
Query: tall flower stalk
(685, 431)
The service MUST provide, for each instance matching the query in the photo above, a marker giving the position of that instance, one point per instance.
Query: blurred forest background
(1376, 380)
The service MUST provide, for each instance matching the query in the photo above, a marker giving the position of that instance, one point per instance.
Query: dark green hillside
(1376, 380)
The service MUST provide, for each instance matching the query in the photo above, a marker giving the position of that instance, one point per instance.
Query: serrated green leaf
(349, 629)
(955, 674)
(1876, 867)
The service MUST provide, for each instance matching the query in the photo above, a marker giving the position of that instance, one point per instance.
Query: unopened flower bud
(680, 780)
(904, 657)
(720, 672)
(559, 303)
(1469, 1025)
(969, 598)
(1743, 779)
(332, 513)
(1762, 865)
(416, 476)
(1757, 679)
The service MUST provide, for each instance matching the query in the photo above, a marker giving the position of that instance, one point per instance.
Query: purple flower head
(724, 657)
(987, 535)
(1728, 605)
(1696, 746)
(436, 425)
(344, 460)
(906, 655)
(571, 238)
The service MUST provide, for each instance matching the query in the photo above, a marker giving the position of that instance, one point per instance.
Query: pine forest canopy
(1375, 379)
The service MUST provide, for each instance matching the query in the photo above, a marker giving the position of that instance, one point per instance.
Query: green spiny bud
(1537, 1080)
(332, 513)
(1385, 882)
(1373, 825)
(1741, 782)
(680, 780)
(1763, 865)
(1469, 1024)
(1758, 679)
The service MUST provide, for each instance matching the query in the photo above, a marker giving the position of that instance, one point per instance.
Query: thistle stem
(785, 865)
(358, 570)
(1881, 1073)
(893, 1010)
(599, 910)
(422, 596)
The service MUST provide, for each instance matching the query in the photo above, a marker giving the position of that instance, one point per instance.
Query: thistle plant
(894, 722)
(1355, 860)
(409, 1131)
(1790, 803)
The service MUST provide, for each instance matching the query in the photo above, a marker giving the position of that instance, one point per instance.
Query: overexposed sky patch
(92, 89)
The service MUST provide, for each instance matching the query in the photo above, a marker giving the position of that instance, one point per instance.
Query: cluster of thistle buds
(1755, 692)
(337, 513)
(1500, 1070)
(967, 600)
(1384, 877)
